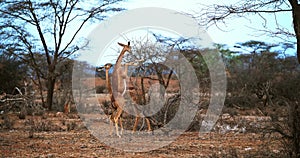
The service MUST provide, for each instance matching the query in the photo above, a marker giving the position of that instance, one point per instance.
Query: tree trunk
(50, 86)
(296, 22)
(50, 90)
(296, 114)
(143, 91)
(297, 31)
(40, 88)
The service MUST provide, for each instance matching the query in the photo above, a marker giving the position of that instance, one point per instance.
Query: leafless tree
(154, 55)
(50, 28)
(216, 14)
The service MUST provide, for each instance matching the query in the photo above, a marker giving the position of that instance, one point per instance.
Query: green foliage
(257, 45)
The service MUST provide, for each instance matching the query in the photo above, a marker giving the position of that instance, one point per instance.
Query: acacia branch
(40, 32)
(88, 14)
(218, 13)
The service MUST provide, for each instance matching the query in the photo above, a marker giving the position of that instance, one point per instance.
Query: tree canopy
(50, 28)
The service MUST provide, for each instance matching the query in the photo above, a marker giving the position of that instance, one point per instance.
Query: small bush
(106, 107)
(245, 102)
(71, 126)
(100, 89)
(39, 125)
(22, 114)
(8, 123)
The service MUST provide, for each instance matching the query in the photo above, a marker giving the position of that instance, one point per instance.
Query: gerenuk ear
(121, 44)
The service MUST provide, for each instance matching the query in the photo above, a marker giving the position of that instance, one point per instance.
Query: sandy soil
(65, 135)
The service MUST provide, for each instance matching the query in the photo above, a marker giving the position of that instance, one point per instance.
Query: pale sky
(234, 31)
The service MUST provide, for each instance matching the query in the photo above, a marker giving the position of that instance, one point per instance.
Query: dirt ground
(65, 135)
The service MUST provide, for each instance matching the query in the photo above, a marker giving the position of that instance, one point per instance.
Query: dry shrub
(168, 111)
(8, 123)
(287, 90)
(245, 101)
(40, 125)
(71, 126)
(100, 89)
(22, 114)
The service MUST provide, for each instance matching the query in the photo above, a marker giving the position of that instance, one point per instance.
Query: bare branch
(218, 13)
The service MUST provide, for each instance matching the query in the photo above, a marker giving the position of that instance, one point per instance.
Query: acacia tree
(215, 14)
(50, 28)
